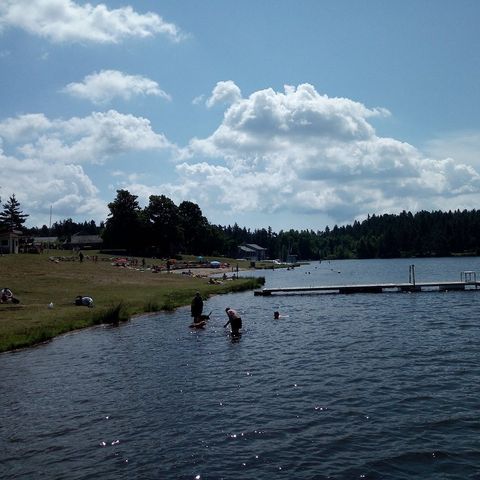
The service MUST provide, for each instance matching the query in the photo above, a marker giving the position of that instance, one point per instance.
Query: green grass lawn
(118, 293)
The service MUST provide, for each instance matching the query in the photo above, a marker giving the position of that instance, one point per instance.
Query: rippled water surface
(382, 386)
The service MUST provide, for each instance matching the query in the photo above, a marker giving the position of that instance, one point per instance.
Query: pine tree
(12, 216)
(123, 227)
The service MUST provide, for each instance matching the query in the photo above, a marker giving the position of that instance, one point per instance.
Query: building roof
(243, 248)
(81, 239)
(45, 239)
(10, 233)
(254, 246)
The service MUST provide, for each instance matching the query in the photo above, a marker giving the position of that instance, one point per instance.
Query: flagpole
(50, 227)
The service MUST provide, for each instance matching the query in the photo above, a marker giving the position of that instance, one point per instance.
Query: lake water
(342, 387)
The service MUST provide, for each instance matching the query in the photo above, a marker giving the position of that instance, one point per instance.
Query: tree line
(165, 229)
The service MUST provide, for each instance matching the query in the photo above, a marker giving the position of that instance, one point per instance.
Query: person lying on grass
(82, 300)
(6, 296)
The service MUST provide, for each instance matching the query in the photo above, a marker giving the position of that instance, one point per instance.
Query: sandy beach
(206, 271)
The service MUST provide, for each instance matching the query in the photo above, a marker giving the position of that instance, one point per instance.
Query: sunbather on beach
(83, 300)
(6, 295)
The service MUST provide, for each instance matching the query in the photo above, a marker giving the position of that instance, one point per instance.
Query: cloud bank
(66, 21)
(47, 158)
(294, 152)
(300, 151)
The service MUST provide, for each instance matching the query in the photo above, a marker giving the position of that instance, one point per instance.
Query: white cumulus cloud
(39, 184)
(47, 159)
(91, 139)
(67, 21)
(18, 129)
(323, 155)
(104, 86)
(224, 93)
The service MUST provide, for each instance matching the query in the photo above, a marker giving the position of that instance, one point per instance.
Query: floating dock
(468, 282)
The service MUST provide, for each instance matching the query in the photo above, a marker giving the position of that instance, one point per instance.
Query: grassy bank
(118, 292)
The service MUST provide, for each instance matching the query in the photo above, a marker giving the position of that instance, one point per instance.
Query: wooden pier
(468, 282)
(374, 288)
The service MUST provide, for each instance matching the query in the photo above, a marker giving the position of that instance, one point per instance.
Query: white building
(9, 241)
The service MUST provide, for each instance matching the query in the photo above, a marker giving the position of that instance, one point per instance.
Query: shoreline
(119, 294)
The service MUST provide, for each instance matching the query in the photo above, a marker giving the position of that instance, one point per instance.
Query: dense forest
(165, 229)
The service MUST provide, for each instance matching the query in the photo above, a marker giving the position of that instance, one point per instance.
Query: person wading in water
(234, 320)
(197, 308)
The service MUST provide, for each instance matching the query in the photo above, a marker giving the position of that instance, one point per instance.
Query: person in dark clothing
(234, 320)
(6, 295)
(197, 308)
(84, 300)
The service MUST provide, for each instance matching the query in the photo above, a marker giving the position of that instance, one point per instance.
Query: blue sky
(289, 114)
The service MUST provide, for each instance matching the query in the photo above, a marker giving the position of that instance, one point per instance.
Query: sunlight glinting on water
(373, 386)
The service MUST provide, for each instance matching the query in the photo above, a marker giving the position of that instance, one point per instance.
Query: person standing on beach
(197, 308)
(234, 320)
